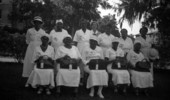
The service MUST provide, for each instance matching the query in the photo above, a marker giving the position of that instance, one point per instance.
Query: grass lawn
(12, 88)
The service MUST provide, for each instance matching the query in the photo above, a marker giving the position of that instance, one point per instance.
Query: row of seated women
(62, 68)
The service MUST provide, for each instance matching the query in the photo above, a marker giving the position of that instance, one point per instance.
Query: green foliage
(12, 45)
(71, 11)
(109, 21)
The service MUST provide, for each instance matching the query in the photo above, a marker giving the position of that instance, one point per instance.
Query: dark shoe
(146, 93)
(137, 93)
(48, 92)
(74, 95)
(39, 91)
(115, 90)
(124, 92)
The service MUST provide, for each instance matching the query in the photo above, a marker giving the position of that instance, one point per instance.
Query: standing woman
(33, 39)
(82, 36)
(105, 39)
(81, 39)
(93, 55)
(94, 29)
(58, 34)
(125, 42)
(146, 41)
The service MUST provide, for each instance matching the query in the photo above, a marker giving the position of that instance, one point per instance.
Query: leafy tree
(156, 14)
(71, 11)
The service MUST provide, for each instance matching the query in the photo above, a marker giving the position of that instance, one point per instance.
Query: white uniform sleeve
(28, 38)
(75, 37)
(52, 53)
(107, 53)
(36, 55)
(101, 53)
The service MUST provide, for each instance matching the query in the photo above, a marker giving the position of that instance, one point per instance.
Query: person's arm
(28, 38)
(50, 37)
(87, 69)
(75, 39)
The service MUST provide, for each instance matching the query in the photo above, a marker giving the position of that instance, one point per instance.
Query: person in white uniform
(140, 79)
(105, 39)
(125, 42)
(94, 29)
(146, 41)
(58, 34)
(82, 36)
(81, 39)
(68, 73)
(118, 69)
(43, 74)
(33, 40)
(97, 77)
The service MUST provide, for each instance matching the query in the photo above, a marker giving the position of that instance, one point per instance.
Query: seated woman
(96, 68)
(117, 66)
(42, 75)
(141, 77)
(68, 72)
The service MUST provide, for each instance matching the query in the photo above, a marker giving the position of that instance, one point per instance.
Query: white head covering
(59, 20)
(37, 18)
(115, 40)
(94, 38)
(137, 41)
(153, 54)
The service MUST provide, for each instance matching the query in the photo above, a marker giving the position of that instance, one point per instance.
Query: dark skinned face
(67, 42)
(124, 33)
(84, 25)
(37, 24)
(115, 45)
(143, 31)
(93, 44)
(94, 26)
(59, 26)
(44, 40)
(137, 47)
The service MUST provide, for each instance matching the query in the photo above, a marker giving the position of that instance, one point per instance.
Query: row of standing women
(90, 47)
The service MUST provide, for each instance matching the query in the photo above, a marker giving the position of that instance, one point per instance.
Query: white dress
(145, 44)
(82, 38)
(126, 44)
(56, 38)
(67, 77)
(105, 41)
(139, 79)
(96, 77)
(33, 39)
(118, 76)
(42, 76)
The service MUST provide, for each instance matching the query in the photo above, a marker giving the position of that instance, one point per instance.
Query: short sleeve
(75, 37)
(101, 53)
(50, 36)
(28, 38)
(67, 33)
(99, 38)
(129, 56)
(59, 53)
(52, 53)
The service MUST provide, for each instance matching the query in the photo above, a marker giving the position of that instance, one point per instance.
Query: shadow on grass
(12, 88)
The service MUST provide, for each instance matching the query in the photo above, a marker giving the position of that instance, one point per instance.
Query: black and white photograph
(84, 49)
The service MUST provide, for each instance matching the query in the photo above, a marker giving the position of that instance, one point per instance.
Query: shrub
(12, 45)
